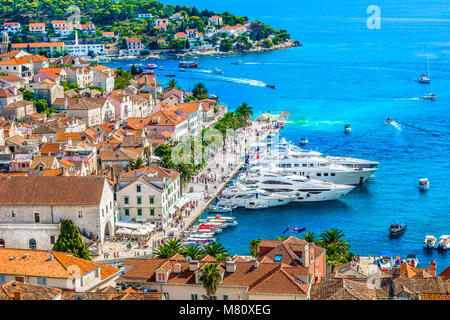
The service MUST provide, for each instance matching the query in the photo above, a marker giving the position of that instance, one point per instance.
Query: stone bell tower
(5, 43)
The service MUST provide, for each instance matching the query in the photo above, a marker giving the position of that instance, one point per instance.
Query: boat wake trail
(408, 99)
(251, 82)
(421, 129)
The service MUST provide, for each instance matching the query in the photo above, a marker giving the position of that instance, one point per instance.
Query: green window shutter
(139, 212)
(127, 212)
(152, 212)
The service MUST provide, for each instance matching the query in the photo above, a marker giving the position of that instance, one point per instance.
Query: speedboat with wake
(217, 71)
(393, 123)
(430, 96)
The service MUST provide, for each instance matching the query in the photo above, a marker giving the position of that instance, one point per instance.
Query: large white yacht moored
(318, 168)
(302, 188)
(262, 149)
(241, 196)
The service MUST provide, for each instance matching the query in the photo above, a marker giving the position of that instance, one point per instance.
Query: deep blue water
(346, 73)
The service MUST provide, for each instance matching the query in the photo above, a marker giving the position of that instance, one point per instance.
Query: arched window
(2, 243)
(32, 244)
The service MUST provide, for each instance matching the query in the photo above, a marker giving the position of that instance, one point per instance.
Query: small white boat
(412, 260)
(393, 123)
(430, 242)
(424, 184)
(423, 78)
(347, 128)
(444, 243)
(255, 206)
(385, 261)
(303, 141)
(217, 71)
(220, 209)
(160, 68)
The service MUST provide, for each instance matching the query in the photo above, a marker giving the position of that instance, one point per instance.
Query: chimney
(433, 266)
(177, 268)
(17, 295)
(66, 103)
(230, 266)
(255, 264)
(193, 265)
(306, 256)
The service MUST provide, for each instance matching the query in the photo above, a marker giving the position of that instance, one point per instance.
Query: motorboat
(347, 128)
(385, 261)
(302, 188)
(430, 242)
(430, 96)
(255, 206)
(271, 86)
(151, 66)
(423, 78)
(444, 243)
(160, 68)
(412, 260)
(219, 208)
(285, 147)
(424, 184)
(241, 195)
(217, 71)
(188, 64)
(304, 141)
(237, 62)
(170, 74)
(397, 229)
(393, 123)
(314, 167)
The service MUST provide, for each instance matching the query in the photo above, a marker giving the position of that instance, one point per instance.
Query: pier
(222, 168)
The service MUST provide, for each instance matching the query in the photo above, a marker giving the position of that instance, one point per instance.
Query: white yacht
(302, 188)
(430, 242)
(262, 149)
(241, 196)
(313, 167)
(444, 243)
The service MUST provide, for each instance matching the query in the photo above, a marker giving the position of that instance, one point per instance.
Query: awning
(141, 219)
(180, 203)
(123, 231)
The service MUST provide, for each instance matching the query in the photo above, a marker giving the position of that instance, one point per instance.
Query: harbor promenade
(203, 189)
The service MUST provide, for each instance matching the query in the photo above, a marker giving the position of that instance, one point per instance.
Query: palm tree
(245, 111)
(172, 84)
(164, 251)
(136, 163)
(174, 244)
(333, 236)
(199, 90)
(254, 247)
(309, 237)
(221, 256)
(214, 249)
(195, 252)
(210, 276)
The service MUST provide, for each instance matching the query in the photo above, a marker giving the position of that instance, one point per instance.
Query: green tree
(210, 276)
(245, 111)
(225, 45)
(254, 248)
(136, 163)
(28, 95)
(70, 241)
(172, 84)
(214, 249)
(200, 90)
(133, 70)
(309, 237)
(195, 252)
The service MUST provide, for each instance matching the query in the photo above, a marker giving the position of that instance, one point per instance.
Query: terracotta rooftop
(12, 290)
(51, 190)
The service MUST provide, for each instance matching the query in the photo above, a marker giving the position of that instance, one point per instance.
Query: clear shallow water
(346, 73)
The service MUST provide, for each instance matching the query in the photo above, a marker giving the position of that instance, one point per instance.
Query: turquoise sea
(346, 73)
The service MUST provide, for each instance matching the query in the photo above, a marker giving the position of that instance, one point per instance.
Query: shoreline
(167, 54)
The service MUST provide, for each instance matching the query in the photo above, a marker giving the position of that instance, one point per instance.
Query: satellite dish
(188, 259)
(228, 259)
